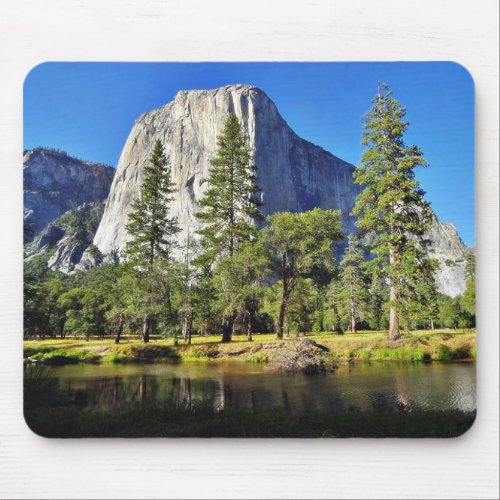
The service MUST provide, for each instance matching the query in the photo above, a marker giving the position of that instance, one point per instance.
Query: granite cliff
(293, 174)
(55, 182)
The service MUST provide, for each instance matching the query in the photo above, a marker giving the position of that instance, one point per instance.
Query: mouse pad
(249, 250)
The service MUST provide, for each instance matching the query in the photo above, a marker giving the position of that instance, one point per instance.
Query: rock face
(294, 174)
(66, 243)
(55, 182)
(448, 248)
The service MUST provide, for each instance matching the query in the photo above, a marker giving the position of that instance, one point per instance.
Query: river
(356, 387)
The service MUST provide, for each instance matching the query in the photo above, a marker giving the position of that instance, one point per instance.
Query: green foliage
(351, 290)
(229, 210)
(468, 299)
(449, 313)
(150, 225)
(64, 357)
(239, 281)
(81, 223)
(443, 353)
(257, 358)
(301, 246)
(391, 209)
(152, 231)
(229, 204)
(42, 313)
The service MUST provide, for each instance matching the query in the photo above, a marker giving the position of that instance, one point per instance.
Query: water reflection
(360, 387)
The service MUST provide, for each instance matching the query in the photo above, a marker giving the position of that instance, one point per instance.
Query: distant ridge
(55, 182)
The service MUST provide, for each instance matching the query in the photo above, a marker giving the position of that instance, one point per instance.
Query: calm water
(365, 386)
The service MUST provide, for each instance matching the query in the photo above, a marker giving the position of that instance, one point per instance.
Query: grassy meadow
(421, 345)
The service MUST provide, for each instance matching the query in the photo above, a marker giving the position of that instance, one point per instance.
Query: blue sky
(88, 109)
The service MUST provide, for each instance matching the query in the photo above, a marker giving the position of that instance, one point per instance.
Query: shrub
(258, 358)
(400, 354)
(61, 357)
(364, 354)
(442, 353)
(116, 358)
(462, 352)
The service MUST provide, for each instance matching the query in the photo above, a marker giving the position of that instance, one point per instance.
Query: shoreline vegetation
(296, 353)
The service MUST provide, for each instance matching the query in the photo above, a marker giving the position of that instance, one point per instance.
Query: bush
(258, 358)
(400, 354)
(365, 354)
(462, 352)
(61, 357)
(442, 353)
(117, 358)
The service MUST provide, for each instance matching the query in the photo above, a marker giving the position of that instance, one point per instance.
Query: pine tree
(229, 204)
(240, 283)
(353, 292)
(152, 230)
(391, 208)
(150, 225)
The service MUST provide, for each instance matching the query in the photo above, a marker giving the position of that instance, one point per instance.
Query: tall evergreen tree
(229, 206)
(240, 283)
(391, 208)
(150, 225)
(353, 291)
(152, 230)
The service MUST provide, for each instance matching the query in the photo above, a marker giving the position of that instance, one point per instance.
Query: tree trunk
(187, 323)
(394, 332)
(119, 329)
(227, 329)
(353, 317)
(432, 325)
(145, 329)
(281, 318)
(283, 307)
(249, 327)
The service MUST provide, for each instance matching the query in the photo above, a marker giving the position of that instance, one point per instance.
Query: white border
(182, 30)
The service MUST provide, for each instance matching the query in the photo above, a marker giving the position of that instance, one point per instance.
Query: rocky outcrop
(55, 182)
(293, 174)
(301, 356)
(449, 250)
(66, 243)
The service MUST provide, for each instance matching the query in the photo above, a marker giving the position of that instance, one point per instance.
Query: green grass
(400, 354)
(258, 357)
(62, 357)
(117, 358)
(424, 345)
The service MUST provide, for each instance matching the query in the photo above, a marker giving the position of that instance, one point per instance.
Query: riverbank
(422, 345)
